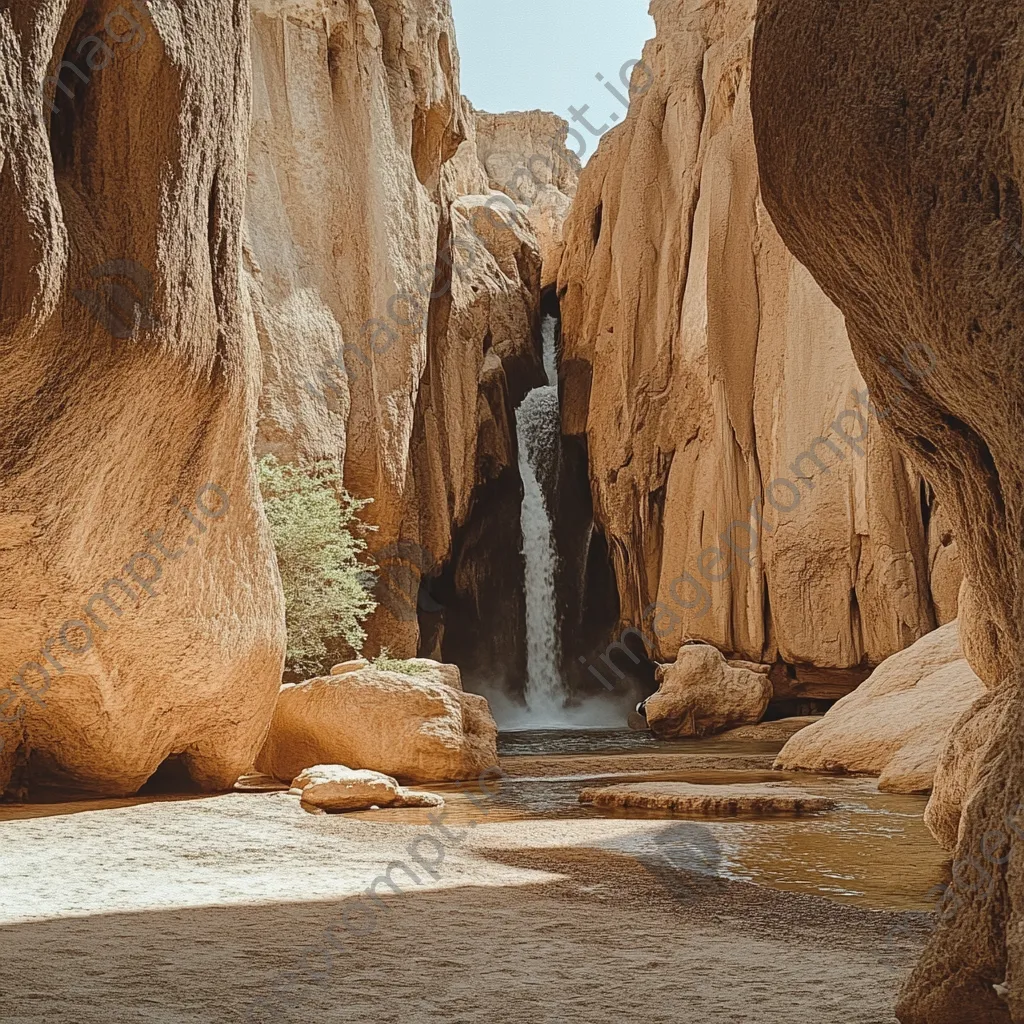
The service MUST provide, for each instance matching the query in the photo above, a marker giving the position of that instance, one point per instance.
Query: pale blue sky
(528, 54)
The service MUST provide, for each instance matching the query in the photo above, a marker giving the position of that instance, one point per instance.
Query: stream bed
(872, 851)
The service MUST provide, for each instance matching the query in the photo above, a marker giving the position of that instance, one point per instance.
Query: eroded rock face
(130, 375)
(524, 155)
(700, 694)
(958, 765)
(396, 341)
(713, 382)
(896, 723)
(914, 230)
(413, 727)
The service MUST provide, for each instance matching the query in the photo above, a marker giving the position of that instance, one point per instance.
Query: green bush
(385, 663)
(317, 534)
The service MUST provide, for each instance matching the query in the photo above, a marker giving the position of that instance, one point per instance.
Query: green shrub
(317, 534)
(385, 663)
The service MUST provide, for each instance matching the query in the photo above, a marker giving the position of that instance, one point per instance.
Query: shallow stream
(873, 850)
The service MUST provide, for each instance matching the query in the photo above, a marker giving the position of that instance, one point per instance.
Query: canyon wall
(897, 180)
(524, 155)
(398, 316)
(739, 480)
(141, 615)
(382, 321)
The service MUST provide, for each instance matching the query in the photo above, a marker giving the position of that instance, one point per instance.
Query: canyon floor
(218, 909)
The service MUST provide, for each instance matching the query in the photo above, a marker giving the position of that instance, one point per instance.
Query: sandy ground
(243, 908)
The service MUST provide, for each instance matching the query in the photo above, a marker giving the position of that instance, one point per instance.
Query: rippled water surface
(873, 850)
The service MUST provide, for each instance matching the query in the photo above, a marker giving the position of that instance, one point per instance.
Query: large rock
(129, 374)
(702, 363)
(413, 727)
(893, 172)
(333, 787)
(896, 723)
(700, 694)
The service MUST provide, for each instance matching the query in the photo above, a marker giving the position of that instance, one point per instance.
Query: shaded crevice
(171, 777)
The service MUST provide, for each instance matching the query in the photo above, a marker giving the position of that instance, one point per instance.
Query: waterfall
(539, 428)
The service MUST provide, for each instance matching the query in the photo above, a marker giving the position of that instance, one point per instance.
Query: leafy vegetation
(385, 663)
(319, 539)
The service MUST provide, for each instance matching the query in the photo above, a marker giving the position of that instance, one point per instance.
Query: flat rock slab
(708, 801)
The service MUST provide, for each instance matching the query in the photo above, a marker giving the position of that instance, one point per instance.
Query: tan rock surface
(130, 372)
(896, 723)
(333, 787)
(701, 360)
(523, 154)
(708, 801)
(915, 231)
(782, 729)
(700, 694)
(961, 757)
(407, 381)
(345, 667)
(412, 727)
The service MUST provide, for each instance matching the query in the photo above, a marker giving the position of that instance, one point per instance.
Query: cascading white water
(538, 426)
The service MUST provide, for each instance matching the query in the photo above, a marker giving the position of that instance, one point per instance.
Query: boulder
(709, 801)
(701, 693)
(333, 787)
(895, 724)
(413, 727)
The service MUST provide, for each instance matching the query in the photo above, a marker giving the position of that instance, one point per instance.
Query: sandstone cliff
(523, 154)
(140, 614)
(744, 497)
(398, 335)
(915, 233)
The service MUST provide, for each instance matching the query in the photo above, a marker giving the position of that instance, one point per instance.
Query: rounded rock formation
(416, 728)
(701, 693)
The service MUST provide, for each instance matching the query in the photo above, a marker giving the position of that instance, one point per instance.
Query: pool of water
(873, 850)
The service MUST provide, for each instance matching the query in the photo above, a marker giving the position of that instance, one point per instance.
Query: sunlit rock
(701, 693)
(333, 787)
(896, 723)
(413, 727)
(705, 370)
(129, 372)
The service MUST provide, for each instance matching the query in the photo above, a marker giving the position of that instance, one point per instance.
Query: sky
(529, 54)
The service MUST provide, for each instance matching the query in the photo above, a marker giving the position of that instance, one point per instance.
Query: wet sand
(244, 908)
